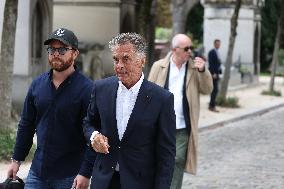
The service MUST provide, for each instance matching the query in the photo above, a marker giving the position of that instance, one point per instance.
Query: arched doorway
(127, 25)
(40, 28)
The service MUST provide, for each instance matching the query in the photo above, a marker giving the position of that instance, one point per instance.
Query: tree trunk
(146, 23)
(229, 59)
(180, 9)
(151, 36)
(274, 63)
(7, 61)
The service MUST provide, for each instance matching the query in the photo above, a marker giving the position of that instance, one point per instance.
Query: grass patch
(7, 142)
(271, 93)
(229, 102)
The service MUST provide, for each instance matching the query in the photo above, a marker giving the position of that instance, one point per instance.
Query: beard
(60, 65)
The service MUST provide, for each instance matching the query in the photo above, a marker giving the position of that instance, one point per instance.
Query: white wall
(2, 4)
(91, 24)
(217, 25)
(22, 48)
(21, 61)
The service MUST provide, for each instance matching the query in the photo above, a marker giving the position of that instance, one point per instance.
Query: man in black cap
(54, 108)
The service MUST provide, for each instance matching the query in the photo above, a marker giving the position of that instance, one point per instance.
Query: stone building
(217, 15)
(95, 22)
(33, 26)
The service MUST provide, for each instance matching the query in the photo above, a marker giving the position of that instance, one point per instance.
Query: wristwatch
(16, 161)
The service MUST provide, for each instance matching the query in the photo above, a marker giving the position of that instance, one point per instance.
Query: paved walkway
(250, 99)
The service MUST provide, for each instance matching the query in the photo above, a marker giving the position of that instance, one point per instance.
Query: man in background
(186, 79)
(215, 70)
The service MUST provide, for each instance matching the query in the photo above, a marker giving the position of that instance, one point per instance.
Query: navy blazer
(146, 153)
(214, 62)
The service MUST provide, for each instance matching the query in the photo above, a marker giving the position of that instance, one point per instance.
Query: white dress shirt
(176, 80)
(125, 102)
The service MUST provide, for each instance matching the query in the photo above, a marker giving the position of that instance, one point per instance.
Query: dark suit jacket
(146, 153)
(214, 62)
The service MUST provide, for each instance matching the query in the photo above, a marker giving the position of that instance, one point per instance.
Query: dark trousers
(115, 181)
(214, 93)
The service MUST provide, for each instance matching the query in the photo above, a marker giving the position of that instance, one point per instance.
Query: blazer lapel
(112, 107)
(142, 101)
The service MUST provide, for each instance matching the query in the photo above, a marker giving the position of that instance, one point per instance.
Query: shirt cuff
(93, 136)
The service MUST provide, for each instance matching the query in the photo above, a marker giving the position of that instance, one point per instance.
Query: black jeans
(214, 93)
(115, 181)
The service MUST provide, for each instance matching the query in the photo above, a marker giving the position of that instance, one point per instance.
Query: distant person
(215, 69)
(186, 79)
(54, 108)
(130, 123)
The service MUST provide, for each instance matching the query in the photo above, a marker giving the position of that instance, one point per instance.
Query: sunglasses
(187, 48)
(60, 50)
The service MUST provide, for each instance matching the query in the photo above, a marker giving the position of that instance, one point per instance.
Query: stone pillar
(217, 15)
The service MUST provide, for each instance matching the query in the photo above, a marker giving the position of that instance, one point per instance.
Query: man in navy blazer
(130, 123)
(215, 70)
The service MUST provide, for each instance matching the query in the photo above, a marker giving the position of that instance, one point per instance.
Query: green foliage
(269, 17)
(229, 102)
(281, 57)
(143, 16)
(7, 142)
(164, 15)
(194, 23)
(163, 34)
(271, 93)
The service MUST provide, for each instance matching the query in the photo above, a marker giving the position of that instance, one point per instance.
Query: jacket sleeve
(92, 120)
(205, 82)
(166, 144)
(90, 155)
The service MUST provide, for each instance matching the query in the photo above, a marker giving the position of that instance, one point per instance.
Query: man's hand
(13, 170)
(199, 63)
(100, 144)
(81, 182)
(214, 76)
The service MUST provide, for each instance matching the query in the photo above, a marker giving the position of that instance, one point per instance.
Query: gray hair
(177, 39)
(175, 42)
(135, 39)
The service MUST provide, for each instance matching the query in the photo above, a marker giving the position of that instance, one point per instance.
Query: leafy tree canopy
(269, 15)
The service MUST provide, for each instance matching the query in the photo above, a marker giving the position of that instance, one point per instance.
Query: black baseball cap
(65, 36)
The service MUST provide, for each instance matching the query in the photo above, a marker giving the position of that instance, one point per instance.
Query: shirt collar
(134, 89)
(50, 73)
(172, 63)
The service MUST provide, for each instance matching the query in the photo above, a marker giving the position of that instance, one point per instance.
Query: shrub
(7, 142)
(271, 93)
(163, 34)
(230, 102)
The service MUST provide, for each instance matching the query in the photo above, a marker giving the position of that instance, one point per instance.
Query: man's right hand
(100, 144)
(215, 76)
(13, 170)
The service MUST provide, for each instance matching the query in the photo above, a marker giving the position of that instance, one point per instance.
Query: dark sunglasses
(60, 50)
(187, 48)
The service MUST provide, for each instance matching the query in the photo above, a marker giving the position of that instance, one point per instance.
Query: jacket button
(118, 147)
(112, 167)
